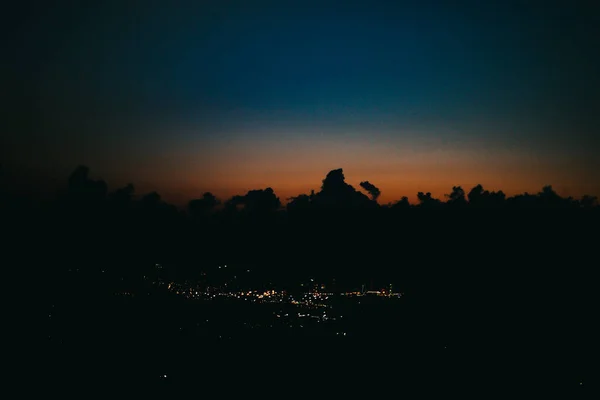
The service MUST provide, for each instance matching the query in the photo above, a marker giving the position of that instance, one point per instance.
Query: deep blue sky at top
(134, 78)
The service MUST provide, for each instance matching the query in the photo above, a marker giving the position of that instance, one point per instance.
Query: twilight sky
(226, 96)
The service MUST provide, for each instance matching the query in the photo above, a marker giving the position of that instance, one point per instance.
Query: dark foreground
(495, 302)
(159, 343)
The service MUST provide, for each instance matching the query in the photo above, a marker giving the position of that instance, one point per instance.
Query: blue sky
(112, 83)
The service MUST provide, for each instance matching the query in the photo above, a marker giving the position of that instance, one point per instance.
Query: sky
(185, 97)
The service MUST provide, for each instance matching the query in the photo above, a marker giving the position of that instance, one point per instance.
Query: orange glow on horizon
(295, 167)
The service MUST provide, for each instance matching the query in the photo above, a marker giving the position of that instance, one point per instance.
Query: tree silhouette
(123, 196)
(82, 189)
(402, 204)
(300, 203)
(371, 189)
(151, 200)
(589, 201)
(255, 202)
(549, 198)
(478, 197)
(201, 207)
(457, 197)
(426, 200)
(336, 193)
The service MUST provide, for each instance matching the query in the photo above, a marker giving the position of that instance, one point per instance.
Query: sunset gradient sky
(191, 96)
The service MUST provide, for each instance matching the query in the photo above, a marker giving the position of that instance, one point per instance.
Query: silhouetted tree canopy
(124, 195)
(320, 229)
(457, 197)
(259, 202)
(402, 204)
(336, 193)
(482, 198)
(200, 207)
(300, 203)
(426, 200)
(371, 189)
(589, 201)
(82, 189)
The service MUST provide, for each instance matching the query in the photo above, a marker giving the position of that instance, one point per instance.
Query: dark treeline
(477, 265)
(335, 232)
(476, 239)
